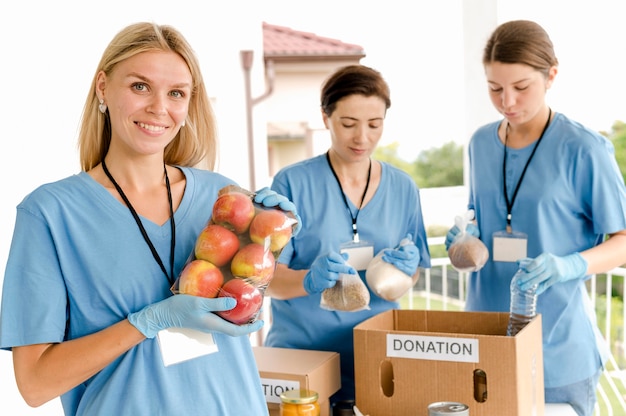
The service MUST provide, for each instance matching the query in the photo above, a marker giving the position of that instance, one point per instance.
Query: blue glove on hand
(268, 198)
(548, 269)
(325, 271)
(471, 229)
(405, 257)
(187, 311)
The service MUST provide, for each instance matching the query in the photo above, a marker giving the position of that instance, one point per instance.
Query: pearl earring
(102, 107)
(183, 124)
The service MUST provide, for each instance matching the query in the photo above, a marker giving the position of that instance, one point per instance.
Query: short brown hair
(351, 80)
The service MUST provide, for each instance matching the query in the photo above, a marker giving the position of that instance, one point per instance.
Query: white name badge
(509, 247)
(182, 344)
(359, 254)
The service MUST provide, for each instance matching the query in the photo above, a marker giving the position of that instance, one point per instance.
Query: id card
(360, 254)
(509, 246)
(182, 344)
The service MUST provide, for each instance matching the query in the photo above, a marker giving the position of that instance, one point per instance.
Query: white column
(480, 17)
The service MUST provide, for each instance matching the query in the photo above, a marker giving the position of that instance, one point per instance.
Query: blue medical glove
(405, 257)
(548, 269)
(325, 271)
(268, 198)
(471, 229)
(187, 311)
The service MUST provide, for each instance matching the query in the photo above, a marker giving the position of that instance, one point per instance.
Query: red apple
(234, 210)
(249, 301)
(216, 244)
(253, 262)
(200, 278)
(272, 224)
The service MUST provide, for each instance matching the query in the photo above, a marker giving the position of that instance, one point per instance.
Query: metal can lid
(343, 408)
(299, 396)
(447, 408)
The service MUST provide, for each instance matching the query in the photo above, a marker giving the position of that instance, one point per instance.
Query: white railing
(442, 266)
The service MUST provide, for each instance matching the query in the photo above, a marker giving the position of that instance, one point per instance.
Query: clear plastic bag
(385, 280)
(349, 294)
(235, 253)
(466, 252)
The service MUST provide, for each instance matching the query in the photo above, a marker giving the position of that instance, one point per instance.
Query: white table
(559, 409)
(551, 409)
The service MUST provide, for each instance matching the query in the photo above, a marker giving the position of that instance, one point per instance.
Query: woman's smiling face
(148, 98)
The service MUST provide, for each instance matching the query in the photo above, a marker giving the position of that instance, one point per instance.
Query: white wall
(296, 94)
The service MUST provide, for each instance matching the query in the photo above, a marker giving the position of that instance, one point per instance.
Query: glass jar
(299, 403)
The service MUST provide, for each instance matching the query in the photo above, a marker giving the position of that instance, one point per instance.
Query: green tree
(433, 168)
(441, 166)
(389, 154)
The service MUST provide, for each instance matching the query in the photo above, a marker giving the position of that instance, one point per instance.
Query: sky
(50, 50)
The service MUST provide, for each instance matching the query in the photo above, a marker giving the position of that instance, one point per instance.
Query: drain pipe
(246, 64)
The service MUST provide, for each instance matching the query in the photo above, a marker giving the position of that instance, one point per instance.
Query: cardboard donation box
(284, 369)
(408, 359)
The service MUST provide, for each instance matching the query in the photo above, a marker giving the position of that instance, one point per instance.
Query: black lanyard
(509, 204)
(143, 230)
(355, 232)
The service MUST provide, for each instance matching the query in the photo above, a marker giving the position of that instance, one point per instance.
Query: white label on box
(273, 388)
(419, 347)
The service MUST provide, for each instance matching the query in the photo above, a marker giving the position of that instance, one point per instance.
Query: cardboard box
(284, 369)
(408, 359)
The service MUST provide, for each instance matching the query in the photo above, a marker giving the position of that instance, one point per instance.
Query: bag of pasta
(349, 294)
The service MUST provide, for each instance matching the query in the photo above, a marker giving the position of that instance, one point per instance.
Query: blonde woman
(93, 257)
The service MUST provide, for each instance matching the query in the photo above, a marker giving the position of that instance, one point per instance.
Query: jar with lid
(299, 403)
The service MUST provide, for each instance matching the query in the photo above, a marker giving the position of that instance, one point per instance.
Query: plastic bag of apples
(235, 254)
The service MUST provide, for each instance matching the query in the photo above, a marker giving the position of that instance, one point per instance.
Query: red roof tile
(280, 42)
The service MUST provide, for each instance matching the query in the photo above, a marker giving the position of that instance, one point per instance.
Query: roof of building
(284, 43)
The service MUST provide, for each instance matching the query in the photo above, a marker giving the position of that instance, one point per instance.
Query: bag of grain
(466, 252)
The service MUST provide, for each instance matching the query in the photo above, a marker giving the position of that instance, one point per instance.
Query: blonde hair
(196, 142)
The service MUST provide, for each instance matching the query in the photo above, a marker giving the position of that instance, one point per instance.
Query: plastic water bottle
(523, 306)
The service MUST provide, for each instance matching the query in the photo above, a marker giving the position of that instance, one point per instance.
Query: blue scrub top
(571, 196)
(78, 264)
(392, 213)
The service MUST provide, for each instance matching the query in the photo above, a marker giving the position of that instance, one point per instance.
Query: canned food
(447, 409)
